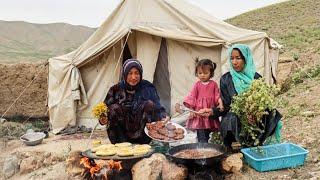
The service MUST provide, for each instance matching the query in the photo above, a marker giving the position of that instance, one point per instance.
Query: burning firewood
(101, 168)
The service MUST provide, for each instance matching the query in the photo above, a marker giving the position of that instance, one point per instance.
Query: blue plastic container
(276, 156)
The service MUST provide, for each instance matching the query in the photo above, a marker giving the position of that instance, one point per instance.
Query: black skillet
(193, 162)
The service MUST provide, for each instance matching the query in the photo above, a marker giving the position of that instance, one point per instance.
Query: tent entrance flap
(161, 78)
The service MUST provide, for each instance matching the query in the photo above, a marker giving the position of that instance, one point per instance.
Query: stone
(47, 161)
(158, 167)
(39, 164)
(148, 168)
(233, 163)
(172, 171)
(73, 166)
(47, 154)
(28, 165)
(10, 166)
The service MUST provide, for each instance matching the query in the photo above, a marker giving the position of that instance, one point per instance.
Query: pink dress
(203, 95)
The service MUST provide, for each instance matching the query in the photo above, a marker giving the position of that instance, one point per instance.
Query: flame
(85, 162)
(95, 168)
(114, 165)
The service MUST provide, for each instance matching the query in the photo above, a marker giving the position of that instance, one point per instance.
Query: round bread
(103, 147)
(140, 151)
(123, 144)
(105, 152)
(125, 152)
(96, 143)
(142, 146)
(123, 148)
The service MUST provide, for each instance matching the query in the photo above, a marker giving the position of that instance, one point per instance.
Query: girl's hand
(177, 108)
(103, 120)
(192, 115)
(205, 112)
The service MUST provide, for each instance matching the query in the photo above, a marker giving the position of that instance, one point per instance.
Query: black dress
(230, 124)
(128, 113)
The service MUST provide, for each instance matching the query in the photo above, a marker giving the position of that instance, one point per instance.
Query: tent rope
(33, 114)
(24, 89)
(122, 49)
(114, 73)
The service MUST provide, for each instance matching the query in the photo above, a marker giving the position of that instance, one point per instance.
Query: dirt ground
(14, 78)
(57, 145)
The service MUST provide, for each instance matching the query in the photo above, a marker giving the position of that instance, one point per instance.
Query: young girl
(204, 94)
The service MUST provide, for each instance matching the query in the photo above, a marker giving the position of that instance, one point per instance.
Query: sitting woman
(242, 73)
(131, 104)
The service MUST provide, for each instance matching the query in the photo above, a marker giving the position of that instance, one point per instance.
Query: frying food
(197, 153)
(178, 136)
(179, 131)
(162, 130)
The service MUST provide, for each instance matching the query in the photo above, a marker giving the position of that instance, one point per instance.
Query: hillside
(22, 41)
(295, 24)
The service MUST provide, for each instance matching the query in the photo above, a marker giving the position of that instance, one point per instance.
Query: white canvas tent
(166, 36)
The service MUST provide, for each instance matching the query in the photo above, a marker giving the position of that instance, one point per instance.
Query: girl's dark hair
(205, 62)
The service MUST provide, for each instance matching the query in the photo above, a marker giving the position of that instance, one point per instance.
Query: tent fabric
(77, 88)
(182, 66)
(142, 25)
(148, 56)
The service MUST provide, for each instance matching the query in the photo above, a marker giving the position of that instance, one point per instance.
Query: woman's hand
(103, 120)
(166, 119)
(251, 119)
(205, 112)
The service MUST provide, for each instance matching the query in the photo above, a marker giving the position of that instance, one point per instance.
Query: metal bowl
(33, 138)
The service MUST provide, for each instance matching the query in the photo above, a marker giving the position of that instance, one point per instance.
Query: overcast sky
(93, 12)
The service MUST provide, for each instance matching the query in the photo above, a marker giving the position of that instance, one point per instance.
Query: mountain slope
(295, 24)
(22, 41)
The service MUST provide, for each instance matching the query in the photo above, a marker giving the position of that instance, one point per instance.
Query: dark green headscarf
(243, 79)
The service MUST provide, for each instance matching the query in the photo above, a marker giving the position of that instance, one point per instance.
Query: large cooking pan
(193, 162)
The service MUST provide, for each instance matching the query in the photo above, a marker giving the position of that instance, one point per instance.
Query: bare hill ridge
(22, 41)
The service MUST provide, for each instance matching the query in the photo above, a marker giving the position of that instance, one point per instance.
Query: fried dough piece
(160, 124)
(179, 131)
(178, 136)
(163, 131)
